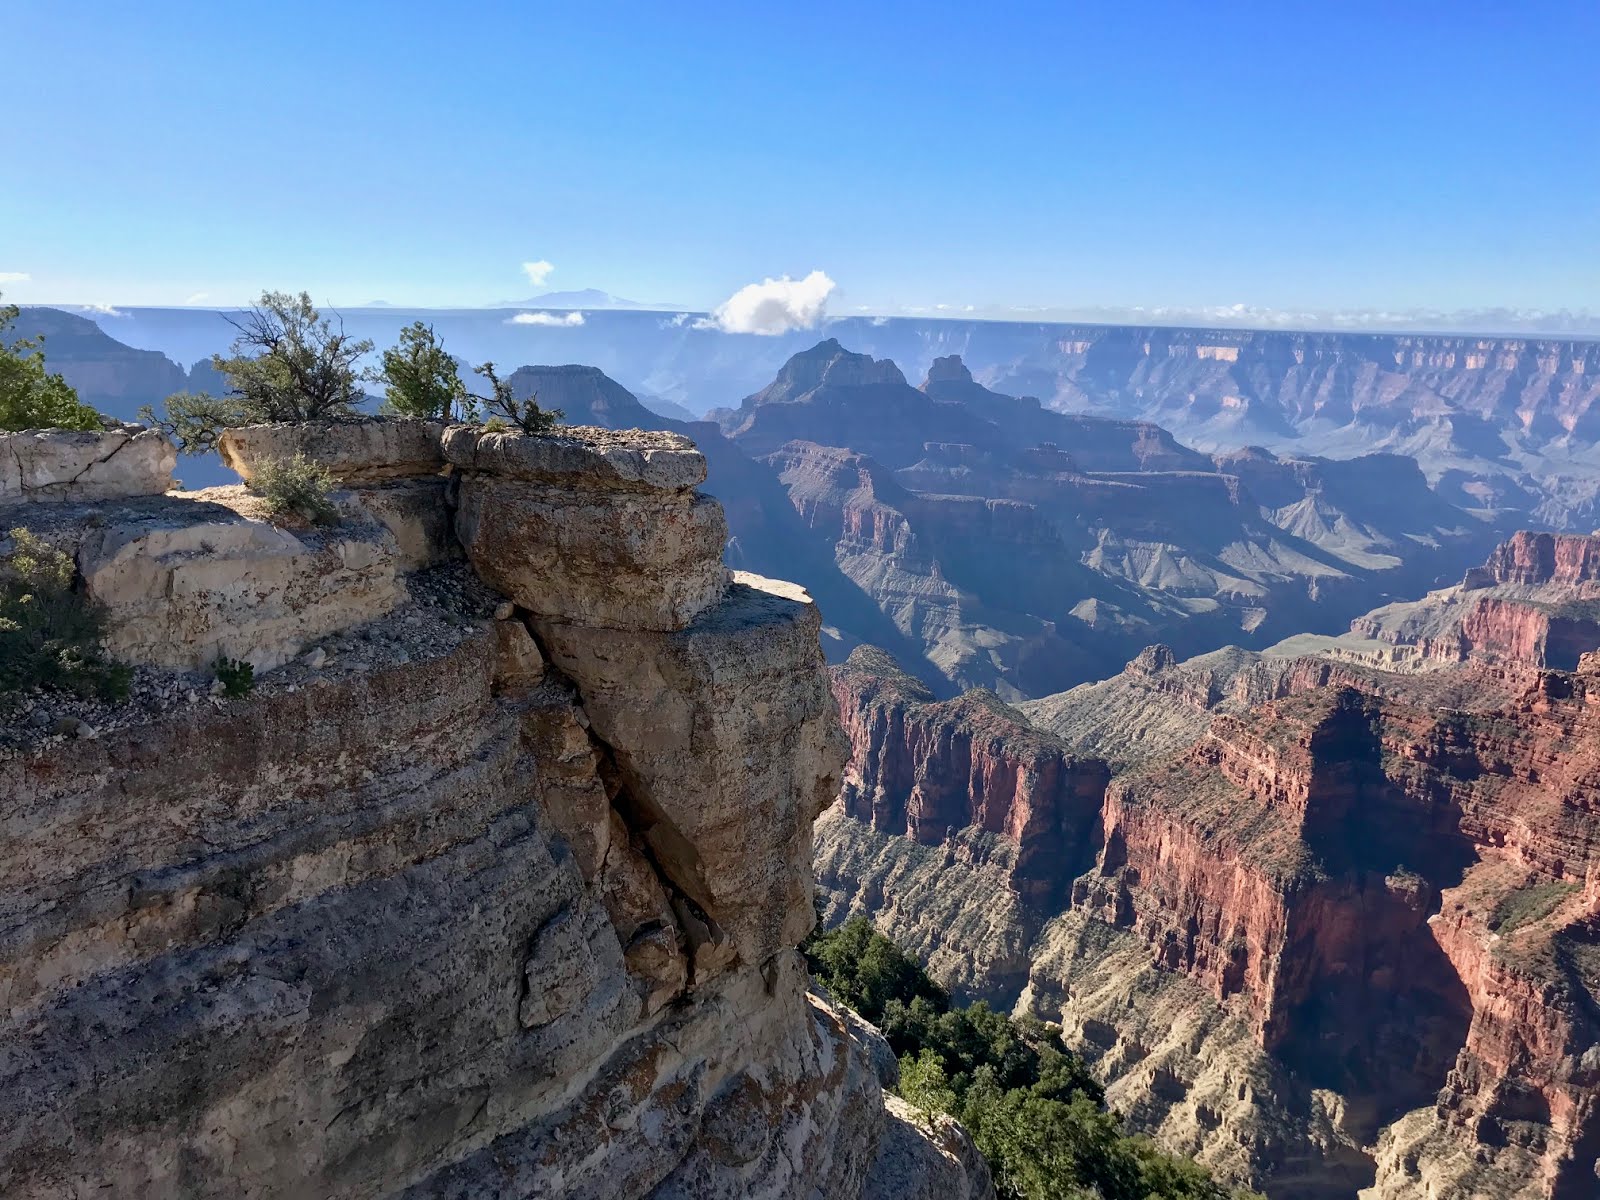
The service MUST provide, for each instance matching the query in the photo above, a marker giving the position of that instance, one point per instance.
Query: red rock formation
(1541, 558)
(924, 769)
(1394, 879)
(1291, 860)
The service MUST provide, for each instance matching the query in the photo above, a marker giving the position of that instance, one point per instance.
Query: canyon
(490, 885)
(1326, 917)
(1026, 550)
(1146, 740)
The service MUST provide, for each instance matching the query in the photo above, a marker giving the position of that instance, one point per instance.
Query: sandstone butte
(492, 885)
(1332, 923)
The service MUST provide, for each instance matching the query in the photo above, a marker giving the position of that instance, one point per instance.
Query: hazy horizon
(1361, 168)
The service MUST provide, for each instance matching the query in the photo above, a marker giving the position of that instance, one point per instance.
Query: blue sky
(1289, 157)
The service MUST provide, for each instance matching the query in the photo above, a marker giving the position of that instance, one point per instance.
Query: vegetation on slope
(31, 397)
(50, 633)
(1032, 1107)
(1529, 905)
(297, 488)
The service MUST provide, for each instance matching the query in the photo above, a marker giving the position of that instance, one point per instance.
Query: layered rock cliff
(1334, 934)
(1534, 602)
(490, 887)
(1496, 422)
(1025, 550)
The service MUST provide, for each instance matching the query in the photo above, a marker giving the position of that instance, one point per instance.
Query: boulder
(193, 581)
(718, 729)
(72, 465)
(581, 455)
(363, 450)
(593, 527)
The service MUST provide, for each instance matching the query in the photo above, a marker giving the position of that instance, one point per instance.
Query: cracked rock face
(510, 915)
(58, 464)
(717, 729)
(592, 529)
(362, 451)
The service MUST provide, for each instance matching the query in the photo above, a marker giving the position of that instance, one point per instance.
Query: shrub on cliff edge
(296, 487)
(50, 633)
(31, 397)
(287, 363)
(421, 380)
(504, 407)
(1031, 1106)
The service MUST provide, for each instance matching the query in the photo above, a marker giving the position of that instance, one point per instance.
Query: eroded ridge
(491, 885)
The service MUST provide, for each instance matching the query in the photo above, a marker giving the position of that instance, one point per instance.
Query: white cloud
(197, 297)
(676, 321)
(773, 306)
(560, 320)
(538, 272)
(14, 277)
(105, 310)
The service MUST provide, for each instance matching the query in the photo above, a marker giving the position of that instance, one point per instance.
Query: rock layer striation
(482, 895)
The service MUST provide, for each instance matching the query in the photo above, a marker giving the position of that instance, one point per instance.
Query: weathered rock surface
(719, 727)
(926, 1158)
(357, 451)
(66, 465)
(592, 527)
(506, 907)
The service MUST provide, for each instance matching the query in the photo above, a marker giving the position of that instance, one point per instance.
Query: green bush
(296, 487)
(287, 363)
(31, 397)
(236, 676)
(50, 633)
(1529, 905)
(924, 1085)
(421, 380)
(1032, 1107)
(504, 407)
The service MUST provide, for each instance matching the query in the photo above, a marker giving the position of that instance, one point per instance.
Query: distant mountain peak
(949, 369)
(583, 298)
(828, 364)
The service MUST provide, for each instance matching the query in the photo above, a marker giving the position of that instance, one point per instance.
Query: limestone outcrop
(360, 451)
(605, 531)
(66, 465)
(474, 896)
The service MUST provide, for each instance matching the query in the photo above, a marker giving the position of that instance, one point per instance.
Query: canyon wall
(490, 886)
(1024, 550)
(1334, 934)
